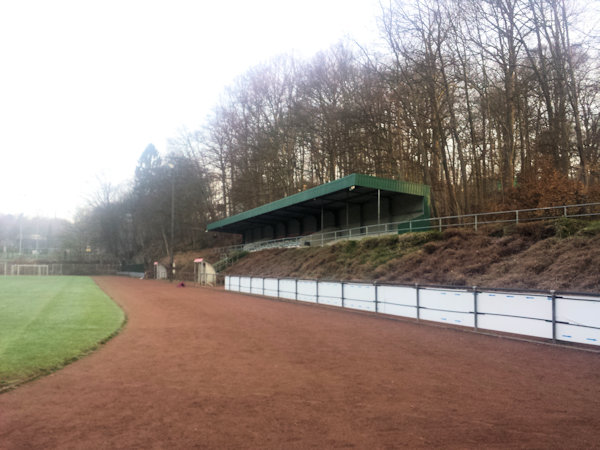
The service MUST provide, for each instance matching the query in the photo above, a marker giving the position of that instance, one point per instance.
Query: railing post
(342, 294)
(317, 292)
(475, 222)
(553, 294)
(418, 303)
(517, 217)
(475, 307)
(410, 226)
(296, 288)
(263, 286)
(565, 210)
(440, 224)
(277, 287)
(376, 296)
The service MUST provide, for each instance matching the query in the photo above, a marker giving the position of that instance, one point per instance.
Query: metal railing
(435, 223)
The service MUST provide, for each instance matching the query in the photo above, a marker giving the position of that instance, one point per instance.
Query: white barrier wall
(256, 286)
(455, 307)
(578, 311)
(245, 284)
(571, 318)
(518, 305)
(287, 289)
(359, 296)
(397, 301)
(515, 313)
(307, 291)
(330, 293)
(578, 319)
(272, 287)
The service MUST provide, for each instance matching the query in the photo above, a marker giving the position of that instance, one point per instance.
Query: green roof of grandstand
(309, 198)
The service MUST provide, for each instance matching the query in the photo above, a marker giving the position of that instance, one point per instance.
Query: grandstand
(354, 201)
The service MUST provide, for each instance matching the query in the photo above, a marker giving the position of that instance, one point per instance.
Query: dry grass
(558, 255)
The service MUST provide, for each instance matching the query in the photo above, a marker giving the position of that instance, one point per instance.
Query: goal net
(29, 269)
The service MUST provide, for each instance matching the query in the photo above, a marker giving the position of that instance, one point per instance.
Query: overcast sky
(86, 85)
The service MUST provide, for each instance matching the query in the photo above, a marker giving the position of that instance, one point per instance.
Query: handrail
(321, 238)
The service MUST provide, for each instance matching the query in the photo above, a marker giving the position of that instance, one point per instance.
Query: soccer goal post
(29, 269)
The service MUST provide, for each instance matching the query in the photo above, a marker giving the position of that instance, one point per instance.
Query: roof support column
(322, 223)
(347, 211)
(347, 215)
(322, 219)
(378, 208)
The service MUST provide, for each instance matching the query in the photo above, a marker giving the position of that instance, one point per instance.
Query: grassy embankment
(48, 322)
(562, 254)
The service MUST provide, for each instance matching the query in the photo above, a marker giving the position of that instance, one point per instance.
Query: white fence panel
(234, 283)
(454, 318)
(256, 286)
(397, 301)
(287, 289)
(330, 293)
(578, 312)
(520, 305)
(245, 284)
(572, 333)
(517, 325)
(397, 295)
(449, 300)
(397, 310)
(271, 287)
(307, 290)
(359, 296)
(227, 283)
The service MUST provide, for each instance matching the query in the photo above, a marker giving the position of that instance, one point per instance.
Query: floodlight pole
(172, 220)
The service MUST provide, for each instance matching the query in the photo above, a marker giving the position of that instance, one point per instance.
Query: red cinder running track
(204, 368)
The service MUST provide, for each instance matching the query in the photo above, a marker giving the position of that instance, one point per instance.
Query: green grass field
(47, 322)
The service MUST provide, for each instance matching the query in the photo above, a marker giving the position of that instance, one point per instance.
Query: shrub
(565, 227)
(591, 229)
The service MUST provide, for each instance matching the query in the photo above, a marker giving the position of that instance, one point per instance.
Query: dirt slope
(562, 255)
